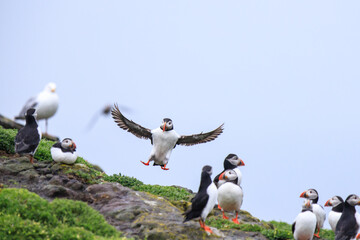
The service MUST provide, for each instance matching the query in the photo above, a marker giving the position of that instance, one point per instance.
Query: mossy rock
(25, 215)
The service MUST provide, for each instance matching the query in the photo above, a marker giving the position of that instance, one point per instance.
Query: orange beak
(164, 127)
(307, 204)
(241, 163)
(221, 177)
(303, 195)
(327, 204)
(74, 146)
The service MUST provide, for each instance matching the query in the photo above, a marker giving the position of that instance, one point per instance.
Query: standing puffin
(46, 104)
(230, 194)
(205, 199)
(348, 226)
(304, 225)
(337, 204)
(28, 138)
(64, 151)
(164, 138)
(318, 210)
(232, 161)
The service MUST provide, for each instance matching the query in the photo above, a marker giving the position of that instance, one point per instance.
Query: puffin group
(343, 218)
(225, 189)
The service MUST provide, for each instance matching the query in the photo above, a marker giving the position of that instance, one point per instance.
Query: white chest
(63, 157)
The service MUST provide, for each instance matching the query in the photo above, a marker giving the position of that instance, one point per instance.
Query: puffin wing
(129, 125)
(201, 137)
(25, 141)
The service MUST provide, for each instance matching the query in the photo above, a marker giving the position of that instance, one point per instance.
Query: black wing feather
(198, 204)
(129, 125)
(201, 137)
(26, 140)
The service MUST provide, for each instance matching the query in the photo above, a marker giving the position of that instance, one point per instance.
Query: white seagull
(163, 138)
(46, 104)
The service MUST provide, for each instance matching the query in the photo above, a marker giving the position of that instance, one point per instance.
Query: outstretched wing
(201, 137)
(129, 125)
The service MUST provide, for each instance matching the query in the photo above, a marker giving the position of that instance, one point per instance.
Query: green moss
(43, 151)
(25, 215)
(7, 140)
(169, 192)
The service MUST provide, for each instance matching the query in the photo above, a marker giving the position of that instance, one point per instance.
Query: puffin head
(207, 169)
(167, 124)
(228, 175)
(353, 200)
(307, 205)
(31, 112)
(232, 161)
(310, 194)
(68, 143)
(334, 201)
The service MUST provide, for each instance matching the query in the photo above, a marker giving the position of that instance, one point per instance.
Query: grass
(25, 215)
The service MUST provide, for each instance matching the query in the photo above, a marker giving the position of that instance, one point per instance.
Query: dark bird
(232, 161)
(64, 151)
(28, 138)
(230, 194)
(205, 199)
(348, 226)
(163, 138)
(318, 210)
(304, 225)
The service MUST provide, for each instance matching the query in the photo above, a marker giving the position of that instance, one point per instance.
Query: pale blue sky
(282, 75)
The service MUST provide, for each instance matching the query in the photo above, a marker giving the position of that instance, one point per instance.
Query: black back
(27, 139)
(347, 227)
(201, 198)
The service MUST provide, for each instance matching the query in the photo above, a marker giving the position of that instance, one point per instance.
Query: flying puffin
(164, 138)
(337, 204)
(232, 161)
(205, 199)
(46, 104)
(64, 151)
(304, 225)
(28, 138)
(318, 210)
(348, 225)
(230, 194)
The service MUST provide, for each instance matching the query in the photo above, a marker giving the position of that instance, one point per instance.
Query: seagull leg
(164, 167)
(235, 220)
(46, 125)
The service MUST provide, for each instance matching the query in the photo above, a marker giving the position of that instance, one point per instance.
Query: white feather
(230, 196)
(212, 191)
(320, 215)
(333, 218)
(163, 144)
(305, 224)
(63, 157)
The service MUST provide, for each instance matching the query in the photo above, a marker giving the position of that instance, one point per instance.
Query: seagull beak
(327, 204)
(241, 163)
(221, 177)
(303, 195)
(164, 127)
(53, 90)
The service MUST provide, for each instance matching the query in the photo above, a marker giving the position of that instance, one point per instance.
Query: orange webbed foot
(164, 167)
(207, 229)
(145, 163)
(235, 220)
(224, 216)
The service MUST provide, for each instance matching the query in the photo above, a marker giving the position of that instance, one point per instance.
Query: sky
(283, 76)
